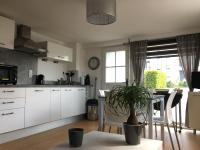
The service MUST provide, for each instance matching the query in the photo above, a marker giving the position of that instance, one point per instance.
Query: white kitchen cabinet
(59, 52)
(55, 107)
(80, 98)
(7, 32)
(11, 103)
(37, 108)
(12, 93)
(67, 102)
(73, 101)
(11, 120)
(26, 107)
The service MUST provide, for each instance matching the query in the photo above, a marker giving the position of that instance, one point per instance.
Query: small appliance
(87, 79)
(69, 76)
(196, 80)
(40, 79)
(8, 74)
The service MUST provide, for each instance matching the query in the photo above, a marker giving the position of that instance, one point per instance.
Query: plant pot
(75, 137)
(132, 133)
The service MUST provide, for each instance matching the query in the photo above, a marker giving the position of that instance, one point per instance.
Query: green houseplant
(129, 98)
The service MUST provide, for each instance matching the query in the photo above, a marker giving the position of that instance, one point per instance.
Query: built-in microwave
(8, 74)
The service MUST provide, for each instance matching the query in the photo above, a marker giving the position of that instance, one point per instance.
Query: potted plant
(129, 98)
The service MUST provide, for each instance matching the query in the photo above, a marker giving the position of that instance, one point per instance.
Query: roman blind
(162, 48)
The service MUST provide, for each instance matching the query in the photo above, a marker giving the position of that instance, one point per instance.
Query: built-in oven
(8, 74)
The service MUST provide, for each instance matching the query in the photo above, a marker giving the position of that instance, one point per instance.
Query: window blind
(162, 48)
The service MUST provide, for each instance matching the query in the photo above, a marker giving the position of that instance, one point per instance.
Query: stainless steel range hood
(23, 42)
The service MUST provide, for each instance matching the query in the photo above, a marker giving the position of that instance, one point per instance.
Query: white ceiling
(65, 19)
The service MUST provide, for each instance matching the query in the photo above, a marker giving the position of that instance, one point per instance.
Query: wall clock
(93, 63)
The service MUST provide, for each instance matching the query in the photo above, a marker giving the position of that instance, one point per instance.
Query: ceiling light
(101, 12)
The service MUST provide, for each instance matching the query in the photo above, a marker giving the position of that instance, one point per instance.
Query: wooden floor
(51, 138)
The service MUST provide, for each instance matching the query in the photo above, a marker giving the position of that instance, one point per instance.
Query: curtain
(189, 54)
(138, 58)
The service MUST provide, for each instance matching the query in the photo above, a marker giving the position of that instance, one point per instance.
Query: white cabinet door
(11, 120)
(37, 108)
(7, 30)
(67, 102)
(59, 52)
(55, 111)
(80, 96)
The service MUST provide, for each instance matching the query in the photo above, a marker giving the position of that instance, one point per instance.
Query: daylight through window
(115, 66)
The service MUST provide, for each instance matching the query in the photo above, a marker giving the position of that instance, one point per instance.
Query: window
(115, 66)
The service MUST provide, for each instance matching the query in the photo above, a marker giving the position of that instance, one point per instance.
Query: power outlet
(30, 73)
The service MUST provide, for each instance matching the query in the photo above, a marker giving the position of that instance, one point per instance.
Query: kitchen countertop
(45, 85)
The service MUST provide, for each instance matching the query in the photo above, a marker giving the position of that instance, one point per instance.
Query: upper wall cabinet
(59, 52)
(7, 32)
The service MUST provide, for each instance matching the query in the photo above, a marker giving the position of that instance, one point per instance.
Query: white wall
(98, 73)
(86, 52)
(80, 63)
(52, 71)
(81, 60)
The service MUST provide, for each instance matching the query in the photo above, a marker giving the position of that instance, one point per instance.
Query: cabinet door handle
(55, 90)
(80, 89)
(68, 90)
(9, 91)
(61, 57)
(39, 90)
(6, 114)
(2, 43)
(10, 102)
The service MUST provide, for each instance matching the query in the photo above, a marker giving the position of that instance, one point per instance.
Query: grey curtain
(138, 58)
(189, 54)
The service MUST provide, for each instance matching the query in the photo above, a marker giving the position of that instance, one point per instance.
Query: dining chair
(176, 102)
(168, 120)
(116, 117)
(113, 117)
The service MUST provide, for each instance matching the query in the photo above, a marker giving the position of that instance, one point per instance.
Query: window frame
(115, 66)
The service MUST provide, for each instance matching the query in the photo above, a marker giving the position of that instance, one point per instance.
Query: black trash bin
(92, 109)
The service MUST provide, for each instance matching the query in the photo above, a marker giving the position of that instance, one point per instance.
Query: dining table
(150, 113)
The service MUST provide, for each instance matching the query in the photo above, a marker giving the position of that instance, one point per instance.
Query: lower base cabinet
(67, 102)
(55, 110)
(26, 107)
(11, 120)
(80, 101)
(37, 108)
(73, 102)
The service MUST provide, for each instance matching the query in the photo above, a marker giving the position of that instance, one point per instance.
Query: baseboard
(10, 136)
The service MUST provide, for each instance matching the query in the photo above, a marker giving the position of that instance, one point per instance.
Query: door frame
(113, 49)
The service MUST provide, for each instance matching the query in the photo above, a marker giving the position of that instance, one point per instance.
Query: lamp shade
(101, 12)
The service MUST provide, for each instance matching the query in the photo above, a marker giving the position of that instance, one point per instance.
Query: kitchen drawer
(11, 120)
(11, 103)
(12, 92)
